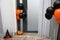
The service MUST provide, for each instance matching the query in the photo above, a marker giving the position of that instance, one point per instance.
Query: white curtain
(8, 13)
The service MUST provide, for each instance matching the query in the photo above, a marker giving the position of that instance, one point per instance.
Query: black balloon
(20, 6)
(49, 13)
(57, 4)
(48, 16)
(21, 15)
(50, 10)
(24, 15)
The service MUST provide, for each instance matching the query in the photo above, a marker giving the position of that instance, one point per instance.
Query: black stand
(58, 35)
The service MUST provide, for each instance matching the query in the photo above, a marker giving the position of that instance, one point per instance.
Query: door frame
(43, 22)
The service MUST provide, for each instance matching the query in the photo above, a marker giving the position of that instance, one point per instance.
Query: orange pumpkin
(20, 32)
(57, 15)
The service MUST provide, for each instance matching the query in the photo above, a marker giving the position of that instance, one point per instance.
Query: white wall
(8, 8)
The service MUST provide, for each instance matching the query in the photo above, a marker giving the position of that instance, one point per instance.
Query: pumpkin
(20, 32)
(57, 15)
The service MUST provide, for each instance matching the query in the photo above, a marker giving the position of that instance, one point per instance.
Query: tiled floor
(28, 36)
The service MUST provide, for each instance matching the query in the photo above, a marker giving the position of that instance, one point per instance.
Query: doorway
(25, 20)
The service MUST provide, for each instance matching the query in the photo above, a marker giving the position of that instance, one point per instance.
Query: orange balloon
(18, 11)
(17, 17)
(57, 15)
